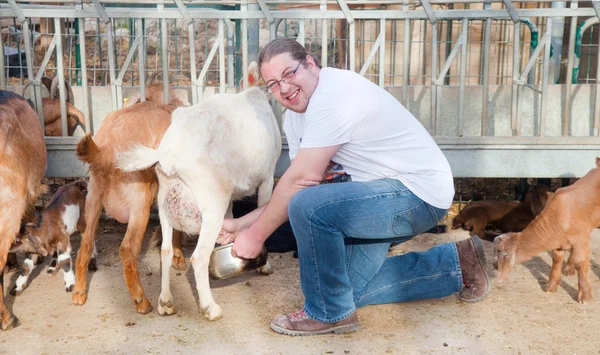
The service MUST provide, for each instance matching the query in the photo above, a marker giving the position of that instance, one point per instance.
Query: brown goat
(22, 168)
(127, 197)
(52, 117)
(62, 216)
(565, 224)
(477, 214)
(521, 216)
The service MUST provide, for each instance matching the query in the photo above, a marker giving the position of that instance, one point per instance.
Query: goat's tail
(139, 157)
(88, 152)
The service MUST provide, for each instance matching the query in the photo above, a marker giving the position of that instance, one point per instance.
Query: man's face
(295, 93)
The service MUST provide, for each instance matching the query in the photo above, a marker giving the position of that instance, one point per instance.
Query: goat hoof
(143, 306)
(14, 292)
(569, 271)
(179, 263)
(583, 298)
(69, 288)
(10, 322)
(212, 313)
(51, 271)
(266, 269)
(79, 297)
(93, 265)
(166, 308)
(551, 288)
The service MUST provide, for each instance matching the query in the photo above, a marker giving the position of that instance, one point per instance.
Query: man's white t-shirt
(379, 137)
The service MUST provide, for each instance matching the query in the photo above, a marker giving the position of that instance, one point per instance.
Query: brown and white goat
(22, 168)
(477, 214)
(565, 224)
(220, 150)
(62, 216)
(126, 196)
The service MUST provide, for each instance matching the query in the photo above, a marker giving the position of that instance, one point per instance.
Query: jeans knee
(298, 208)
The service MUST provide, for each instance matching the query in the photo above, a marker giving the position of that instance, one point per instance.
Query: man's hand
(246, 245)
(229, 231)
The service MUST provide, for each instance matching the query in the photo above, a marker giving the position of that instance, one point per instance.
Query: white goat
(215, 152)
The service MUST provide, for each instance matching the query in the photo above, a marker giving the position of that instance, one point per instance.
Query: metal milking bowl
(223, 265)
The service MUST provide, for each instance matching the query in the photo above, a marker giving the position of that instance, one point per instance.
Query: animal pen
(507, 89)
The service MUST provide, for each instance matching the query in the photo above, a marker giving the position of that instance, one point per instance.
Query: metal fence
(493, 81)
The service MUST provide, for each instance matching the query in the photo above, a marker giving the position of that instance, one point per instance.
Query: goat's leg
(11, 263)
(557, 260)
(53, 268)
(93, 208)
(569, 269)
(178, 258)
(165, 301)
(93, 264)
(24, 272)
(65, 263)
(131, 246)
(11, 211)
(265, 190)
(580, 255)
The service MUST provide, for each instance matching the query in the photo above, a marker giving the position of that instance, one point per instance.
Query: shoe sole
(482, 262)
(340, 329)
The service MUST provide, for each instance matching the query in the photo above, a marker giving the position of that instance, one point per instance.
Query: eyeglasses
(273, 85)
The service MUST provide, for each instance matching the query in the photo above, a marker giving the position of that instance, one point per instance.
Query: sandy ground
(517, 318)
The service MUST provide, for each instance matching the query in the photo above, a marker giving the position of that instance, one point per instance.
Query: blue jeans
(344, 232)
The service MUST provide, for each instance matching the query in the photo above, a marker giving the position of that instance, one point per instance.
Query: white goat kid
(215, 152)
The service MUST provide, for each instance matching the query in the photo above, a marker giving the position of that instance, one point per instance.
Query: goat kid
(22, 168)
(478, 214)
(213, 153)
(565, 224)
(62, 216)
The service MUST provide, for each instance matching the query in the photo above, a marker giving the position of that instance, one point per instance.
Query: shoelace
(297, 315)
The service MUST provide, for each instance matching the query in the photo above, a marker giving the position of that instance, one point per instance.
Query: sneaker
(299, 323)
(476, 280)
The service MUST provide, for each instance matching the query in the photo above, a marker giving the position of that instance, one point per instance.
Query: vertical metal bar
(139, 29)
(165, 57)
(406, 61)
(2, 65)
(244, 8)
(191, 36)
(597, 105)
(433, 124)
(382, 53)
(324, 38)
(567, 112)
(463, 73)
(486, 77)
(221, 38)
(544, 102)
(112, 66)
(301, 31)
(84, 78)
(352, 45)
(61, 77)
(516, 71)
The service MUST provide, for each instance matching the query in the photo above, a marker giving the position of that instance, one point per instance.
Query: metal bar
(101, 11)
(406, 62)
(429, 11)
(221, 38)
(134, 47)
(195, 83)
(433, 124)
(30, 76)
(544, 102)
(527, 85)
(116, 102)
(139, 29)
(514, 99)
(345, 9)
(352, 45)
(486, 77)
(382, 53)
(569, 83)
(84, 79)
(596, 6)
(265, 9)
(461, 41)
(324, 29)
(534, 56)
(244, 8)
(17, 10)
(300, 38)
(184, 11)
(511, 10)
(61, 78)
(2, 65)
(597, 100)
(371, 55)
(47, 56)
(463, 73)
(209, 59)
(165, 57)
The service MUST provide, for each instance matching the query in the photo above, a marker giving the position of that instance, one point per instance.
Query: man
(401, 185)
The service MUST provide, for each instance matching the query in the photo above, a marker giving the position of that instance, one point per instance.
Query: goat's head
(28, 241)
(505, 251)
(538, 197)
(254, 78)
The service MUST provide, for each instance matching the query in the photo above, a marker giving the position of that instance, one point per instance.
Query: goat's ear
(254, 78)
(37, 244)
(499, 238)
